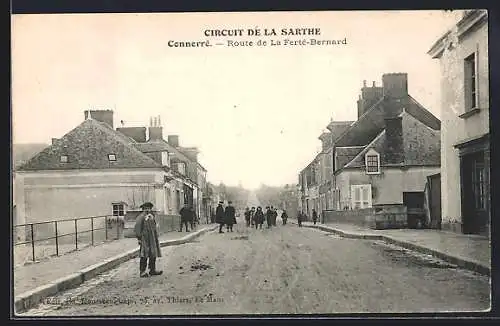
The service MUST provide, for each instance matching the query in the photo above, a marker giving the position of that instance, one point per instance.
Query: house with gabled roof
(95, 170)
(384, 157)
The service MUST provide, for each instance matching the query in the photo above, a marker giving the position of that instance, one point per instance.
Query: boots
(152, 267)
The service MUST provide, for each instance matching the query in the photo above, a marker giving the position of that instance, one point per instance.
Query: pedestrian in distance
(274, 216)
(186, 217)
(284, 217)
(252, 216)
(146, 231)
(258, 218)
(230, 216)
(314, 216)
(220, 216)
(269, 216)
(247, 216)
(300, 217)
(193, 219)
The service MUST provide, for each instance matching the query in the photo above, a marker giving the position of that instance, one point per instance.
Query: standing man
(146, 231)
(269, 216)
(252, 216)
(300, 216)
(314, 216)
(247, 216)
(258, 218)
(220, 216)
(193, 218)
(185, 213)
(284, 217)
(230, 216)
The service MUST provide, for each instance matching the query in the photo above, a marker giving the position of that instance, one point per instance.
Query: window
(112, 157)
(470, 82)
(118, 209)
(165, 159)
(372, 162)
(64, 159)
(361, 196)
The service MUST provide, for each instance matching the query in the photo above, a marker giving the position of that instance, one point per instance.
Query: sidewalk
(29, 277)
(468, 251)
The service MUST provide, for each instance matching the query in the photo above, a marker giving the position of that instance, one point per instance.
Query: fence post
(32, 242)
(92, 229)
(57, 240)
(76, 234)
(106, 226)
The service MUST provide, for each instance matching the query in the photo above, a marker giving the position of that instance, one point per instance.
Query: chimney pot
(373, 84)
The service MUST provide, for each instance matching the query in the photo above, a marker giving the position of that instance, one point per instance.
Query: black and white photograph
(250, 163)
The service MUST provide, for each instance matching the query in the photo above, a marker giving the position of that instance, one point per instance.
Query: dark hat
(221, 202)
(147, 205)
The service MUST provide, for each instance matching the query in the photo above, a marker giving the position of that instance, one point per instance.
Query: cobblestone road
(282, 270)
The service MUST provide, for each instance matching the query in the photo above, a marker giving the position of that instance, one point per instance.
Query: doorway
(473, 190)
(414, 202)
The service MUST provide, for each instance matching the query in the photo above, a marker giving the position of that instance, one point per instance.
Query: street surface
(283, 270)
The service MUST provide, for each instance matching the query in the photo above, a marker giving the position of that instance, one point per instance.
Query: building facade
(465, 181)
(95, 170)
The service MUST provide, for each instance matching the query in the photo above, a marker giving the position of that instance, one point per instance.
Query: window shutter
(476, 79)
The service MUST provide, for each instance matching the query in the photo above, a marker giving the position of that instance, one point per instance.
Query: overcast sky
(254, 112)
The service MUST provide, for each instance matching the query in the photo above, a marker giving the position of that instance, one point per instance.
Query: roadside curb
(460, 262)
(32, 298)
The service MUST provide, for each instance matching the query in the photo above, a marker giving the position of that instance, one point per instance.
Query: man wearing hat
(230, 216)
(185, 213)
(146, 231)
(220, 216)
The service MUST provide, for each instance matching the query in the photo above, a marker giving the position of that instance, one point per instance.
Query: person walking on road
(258, 218)
(186, 217)
(247, 216)
(274, 216)
(193, 218)
(220, 216)
(146, 231)
(230, 216)
(252, 216)
(300, 217)
(269, 215)
(314, 216)
(284, 217)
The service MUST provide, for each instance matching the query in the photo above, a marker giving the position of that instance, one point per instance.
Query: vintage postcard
(250, 163)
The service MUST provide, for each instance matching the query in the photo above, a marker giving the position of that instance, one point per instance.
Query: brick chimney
(136, 133)
(105, 116)
(173, 140)
(155, 129)
(368, 97)
(394, 148)
(395, 85)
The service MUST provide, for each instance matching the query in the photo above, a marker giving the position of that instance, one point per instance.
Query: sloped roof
(87, 147)
(346, 155)
(21, 153)
(421, 144)
(371, 123)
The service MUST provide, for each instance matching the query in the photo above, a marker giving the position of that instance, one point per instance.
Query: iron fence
(64, 234)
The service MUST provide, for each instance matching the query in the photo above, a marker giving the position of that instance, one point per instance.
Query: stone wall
(379, 217)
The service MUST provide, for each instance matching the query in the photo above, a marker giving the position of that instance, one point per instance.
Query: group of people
(225, 216)
(256, 216)
(301, 216)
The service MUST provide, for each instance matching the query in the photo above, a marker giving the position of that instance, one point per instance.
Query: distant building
(465, 154)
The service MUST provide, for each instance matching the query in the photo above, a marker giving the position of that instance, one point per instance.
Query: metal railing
(101, 229)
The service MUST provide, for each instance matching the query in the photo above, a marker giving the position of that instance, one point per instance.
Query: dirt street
(284, 270)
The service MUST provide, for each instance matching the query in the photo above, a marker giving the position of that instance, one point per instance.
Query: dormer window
(372, 162)
(112, 157)
(64, 159)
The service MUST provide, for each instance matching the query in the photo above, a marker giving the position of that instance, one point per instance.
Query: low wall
(379, 217)
(167, 223)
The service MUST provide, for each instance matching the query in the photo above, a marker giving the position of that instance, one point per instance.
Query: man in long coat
(186, 217)
(220, 216)
(230, 215)
(247, 216)
(146, 231)
(269, 217)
